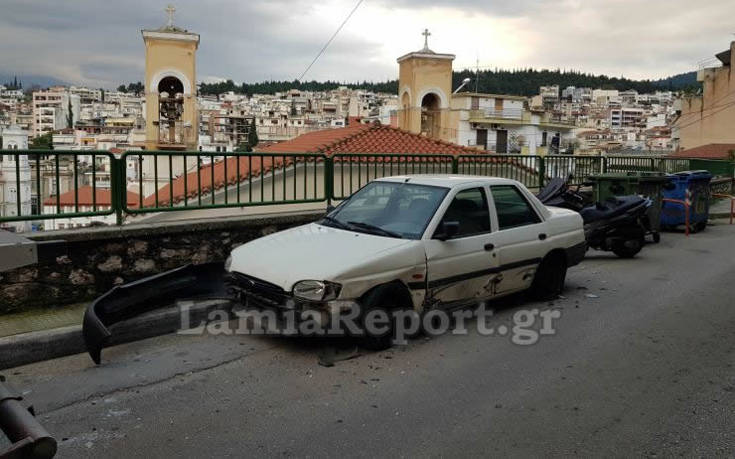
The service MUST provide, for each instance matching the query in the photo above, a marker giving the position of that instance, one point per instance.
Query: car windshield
(389, 209)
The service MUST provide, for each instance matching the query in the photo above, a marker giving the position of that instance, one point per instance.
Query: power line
(332, 38)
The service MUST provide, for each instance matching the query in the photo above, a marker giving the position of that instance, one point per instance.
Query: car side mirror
(447, 230)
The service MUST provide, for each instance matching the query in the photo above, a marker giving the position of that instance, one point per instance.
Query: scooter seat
(610, 208)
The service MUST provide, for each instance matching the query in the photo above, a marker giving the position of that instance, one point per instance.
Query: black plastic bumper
(189, 282)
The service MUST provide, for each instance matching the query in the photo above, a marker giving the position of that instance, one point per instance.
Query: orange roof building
(709, 151)
(83, 198)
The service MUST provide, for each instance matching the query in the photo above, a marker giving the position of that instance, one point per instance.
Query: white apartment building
(627, 117)
(502, 124)
(15, 189)
(51, 109)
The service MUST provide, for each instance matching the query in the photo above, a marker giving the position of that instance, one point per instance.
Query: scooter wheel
(628, 249)
(656, 238)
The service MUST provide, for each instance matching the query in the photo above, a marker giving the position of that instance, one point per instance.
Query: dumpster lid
(694, 174)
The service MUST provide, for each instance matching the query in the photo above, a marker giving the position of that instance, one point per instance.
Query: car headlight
(312, 290)
(228, 263)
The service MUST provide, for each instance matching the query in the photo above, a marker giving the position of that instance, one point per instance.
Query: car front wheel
(381, 301)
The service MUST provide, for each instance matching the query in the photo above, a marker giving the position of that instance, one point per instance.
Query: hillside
(524, 82)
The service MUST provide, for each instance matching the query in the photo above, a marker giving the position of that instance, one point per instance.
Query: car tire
(388, 299)
(548, 283)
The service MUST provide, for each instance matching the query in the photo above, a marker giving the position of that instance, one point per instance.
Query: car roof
(448, 180)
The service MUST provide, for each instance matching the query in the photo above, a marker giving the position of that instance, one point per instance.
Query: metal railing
(523, 168)
(175, 181)
(100, 186)
(350, 172)
(56, 181)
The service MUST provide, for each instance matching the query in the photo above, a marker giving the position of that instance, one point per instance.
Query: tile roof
(103, 198)
(709, 151)
(367, 138)
(355, 138)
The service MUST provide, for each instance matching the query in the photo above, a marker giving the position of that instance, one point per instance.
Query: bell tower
(424, 92)
(170, 87)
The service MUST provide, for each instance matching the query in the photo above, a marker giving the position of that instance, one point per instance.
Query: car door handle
(489, 247)
(542, 236)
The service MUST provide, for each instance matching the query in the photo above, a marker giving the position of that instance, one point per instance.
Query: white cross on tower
(170, 10)
(426, 35)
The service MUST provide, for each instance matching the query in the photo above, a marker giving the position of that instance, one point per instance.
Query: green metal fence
(67, 184)
(44, 184)
(523, 168)
(350, 172)
(176, 181)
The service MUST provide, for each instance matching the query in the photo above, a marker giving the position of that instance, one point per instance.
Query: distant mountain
(522, 82)
(29, 81)
(677, 82)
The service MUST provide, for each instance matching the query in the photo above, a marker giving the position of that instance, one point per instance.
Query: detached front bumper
(189, 282)
(264, 308)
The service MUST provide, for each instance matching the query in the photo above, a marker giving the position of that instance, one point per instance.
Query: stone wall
(97, 259)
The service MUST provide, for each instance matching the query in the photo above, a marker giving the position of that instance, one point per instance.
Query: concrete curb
(43, 345)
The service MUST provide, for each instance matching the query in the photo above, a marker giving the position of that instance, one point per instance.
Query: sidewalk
(720, 209)
(42, 319)
(39, 335)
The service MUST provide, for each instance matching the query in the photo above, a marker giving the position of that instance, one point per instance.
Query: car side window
(512, 207)
(469, 208)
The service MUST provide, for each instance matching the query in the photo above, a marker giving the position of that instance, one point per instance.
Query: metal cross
(170, 10)
(426, 35)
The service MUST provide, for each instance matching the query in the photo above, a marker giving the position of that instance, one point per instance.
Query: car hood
(307, 252)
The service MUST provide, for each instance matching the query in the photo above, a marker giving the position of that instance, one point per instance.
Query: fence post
(329, 179)
(604, 164)
(118, 192)
(541, 172)
(455, 165)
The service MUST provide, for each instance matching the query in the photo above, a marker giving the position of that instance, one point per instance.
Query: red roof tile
(709, 151)
(84, 194)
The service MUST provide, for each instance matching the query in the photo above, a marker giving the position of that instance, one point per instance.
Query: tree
(42, 142)
(252, 135)
(122, 88)
(102, 95)
(136, 88)
(69, 115)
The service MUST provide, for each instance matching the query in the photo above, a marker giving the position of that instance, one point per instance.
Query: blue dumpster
(673, 214)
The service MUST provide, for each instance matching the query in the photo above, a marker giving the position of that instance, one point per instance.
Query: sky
(98, 42)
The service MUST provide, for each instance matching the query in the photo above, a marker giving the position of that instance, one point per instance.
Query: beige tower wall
(420, 74)
(171, 54)
(710, 118)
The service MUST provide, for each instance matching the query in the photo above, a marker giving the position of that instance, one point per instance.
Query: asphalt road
(641, 364)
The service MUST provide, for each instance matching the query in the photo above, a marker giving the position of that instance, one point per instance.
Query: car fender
(406, 265)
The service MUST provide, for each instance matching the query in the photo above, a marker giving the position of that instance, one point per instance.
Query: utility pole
(477, 75)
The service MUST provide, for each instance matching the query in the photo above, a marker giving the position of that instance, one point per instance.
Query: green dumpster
(647, 184)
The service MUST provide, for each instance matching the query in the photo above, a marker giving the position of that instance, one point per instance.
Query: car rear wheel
(551, 274)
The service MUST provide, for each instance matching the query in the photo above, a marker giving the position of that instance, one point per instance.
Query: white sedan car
(414, 242)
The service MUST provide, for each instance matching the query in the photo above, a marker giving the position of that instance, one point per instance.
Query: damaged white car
(412, 242)
(397, 249)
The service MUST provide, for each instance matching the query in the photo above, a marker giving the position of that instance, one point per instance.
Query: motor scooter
(617, 224)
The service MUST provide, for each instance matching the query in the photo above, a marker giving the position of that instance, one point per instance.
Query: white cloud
(99, 43)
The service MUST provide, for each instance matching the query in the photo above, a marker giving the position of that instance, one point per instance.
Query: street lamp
(465, 82)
